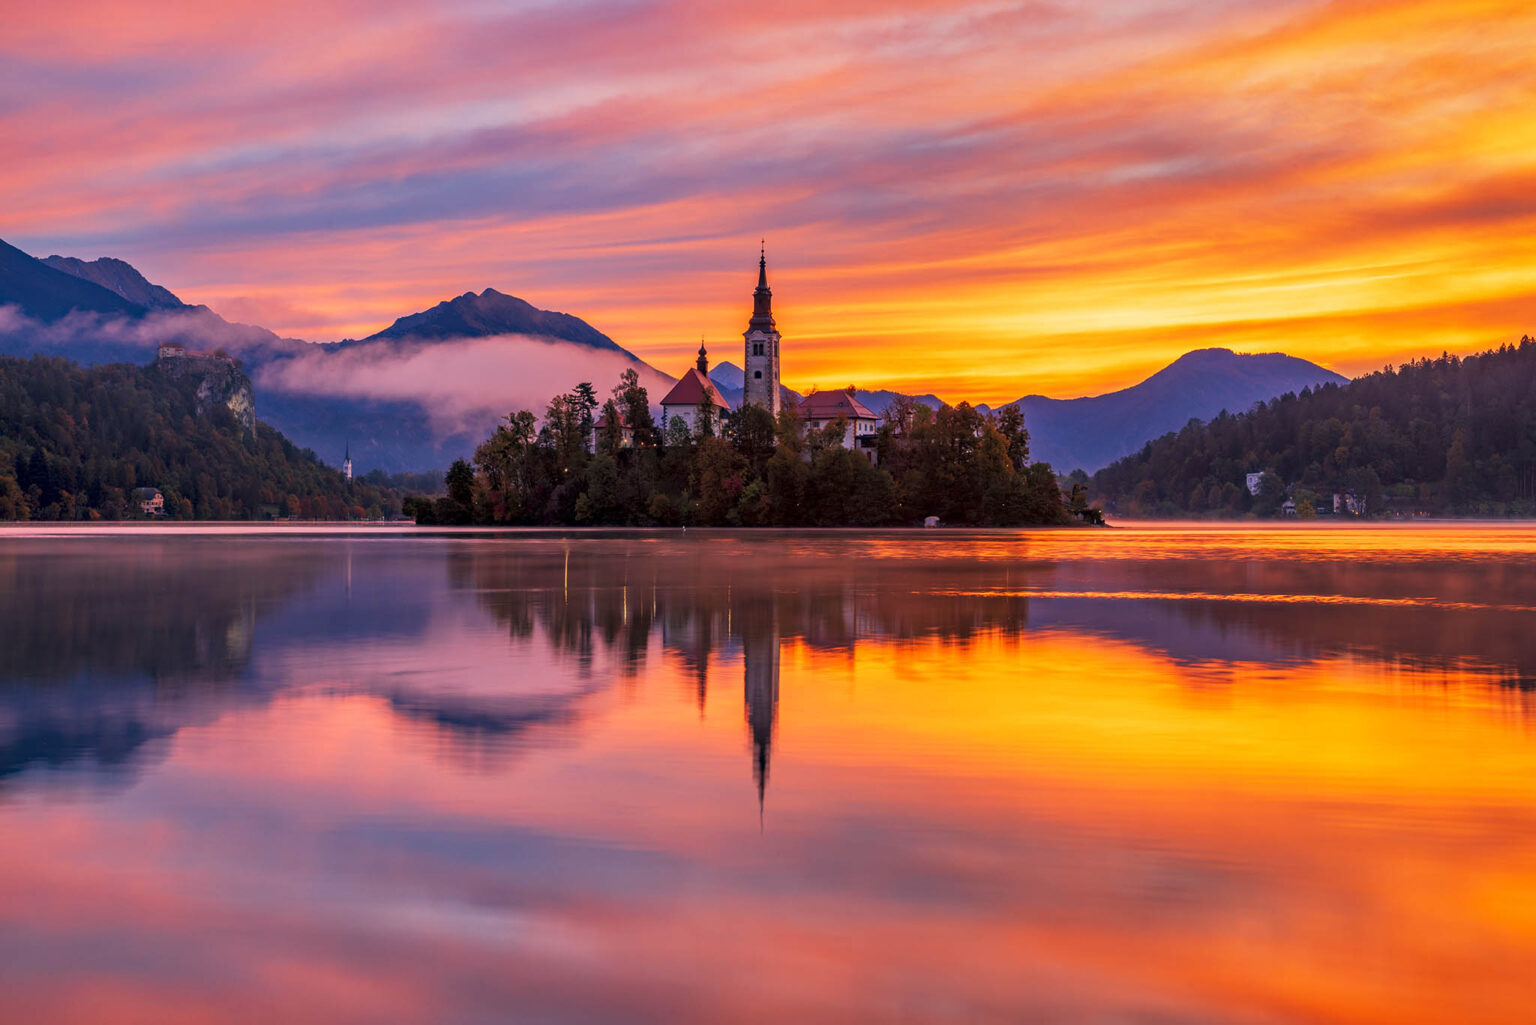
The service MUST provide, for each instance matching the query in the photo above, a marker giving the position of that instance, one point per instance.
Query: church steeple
(761, 365)
(703, 360)
(762, 298)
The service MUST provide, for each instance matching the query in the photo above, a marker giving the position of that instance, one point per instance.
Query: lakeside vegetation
(75, 444)
(748, 468)
(1448, 436)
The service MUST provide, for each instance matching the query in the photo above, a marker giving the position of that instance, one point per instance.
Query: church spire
(762, 298)
(703, 360)
(760, 371)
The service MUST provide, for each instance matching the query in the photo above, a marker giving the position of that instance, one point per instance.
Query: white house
(820, 408)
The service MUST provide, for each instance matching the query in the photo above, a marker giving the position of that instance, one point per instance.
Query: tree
(584, 398)
(704, 417)
(564, 434)
(1009, 422)
(460, 500)
(752, 429)
(719, 480)
(630, 396)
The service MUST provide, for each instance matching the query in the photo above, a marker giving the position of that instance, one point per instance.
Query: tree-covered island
(595, 463)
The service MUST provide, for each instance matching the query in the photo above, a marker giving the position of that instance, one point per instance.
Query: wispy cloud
(985, 181)
(464, 384)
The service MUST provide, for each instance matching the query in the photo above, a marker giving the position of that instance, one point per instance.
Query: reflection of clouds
(515, 635)
(974, 813)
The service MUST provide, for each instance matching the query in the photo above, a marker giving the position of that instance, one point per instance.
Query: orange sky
(981, 200)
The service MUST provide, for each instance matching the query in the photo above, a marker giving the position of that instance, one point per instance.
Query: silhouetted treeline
(1446, 436)
(746, 468)
(76, 442)
(422, 482)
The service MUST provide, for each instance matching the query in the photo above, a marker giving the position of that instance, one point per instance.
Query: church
(760, 363)
(761, 384)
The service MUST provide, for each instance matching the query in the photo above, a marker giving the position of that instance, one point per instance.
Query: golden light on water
(825, 776)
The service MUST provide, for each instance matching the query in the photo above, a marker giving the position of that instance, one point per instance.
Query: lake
(1161, 774)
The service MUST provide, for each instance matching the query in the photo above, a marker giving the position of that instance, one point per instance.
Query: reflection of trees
(711, 599)
(151, 608)
(1490, 633)
(615, 591)
(111, 643)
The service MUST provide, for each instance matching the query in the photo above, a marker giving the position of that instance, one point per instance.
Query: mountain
(1089, 433)
(493, 313)
(1445, 436)
(330, 396)
(119, 277)
(413, 397)
(879, 401)
(46, 293)
(732, 381)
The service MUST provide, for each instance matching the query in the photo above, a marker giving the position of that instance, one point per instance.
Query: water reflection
(1164, 776)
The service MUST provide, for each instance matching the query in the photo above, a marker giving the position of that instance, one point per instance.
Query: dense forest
(1443, 436)
(76, 442)
(748, 468)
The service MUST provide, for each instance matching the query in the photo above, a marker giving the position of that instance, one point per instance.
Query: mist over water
(1172, 774)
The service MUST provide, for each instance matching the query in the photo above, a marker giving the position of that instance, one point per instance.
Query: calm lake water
(1153, 775)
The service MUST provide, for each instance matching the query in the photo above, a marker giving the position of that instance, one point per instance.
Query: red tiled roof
(692, 388)
(602, 420)
(829, 405)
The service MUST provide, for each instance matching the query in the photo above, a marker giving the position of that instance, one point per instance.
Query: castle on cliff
(219, 380)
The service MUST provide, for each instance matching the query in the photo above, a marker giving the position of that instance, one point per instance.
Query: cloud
(973, 179)
(462, 383)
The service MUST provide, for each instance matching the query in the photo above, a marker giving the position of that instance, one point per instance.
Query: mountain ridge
(395, 433)
(328, 410)
(120, 277)
(492, 313)
(48, 293)
(1093, 431)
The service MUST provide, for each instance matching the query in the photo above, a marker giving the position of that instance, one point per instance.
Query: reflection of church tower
(761, 373)
(759, 621)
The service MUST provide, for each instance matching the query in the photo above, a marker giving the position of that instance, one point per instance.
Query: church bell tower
(761, 364)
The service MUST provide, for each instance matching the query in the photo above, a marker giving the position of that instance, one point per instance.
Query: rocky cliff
(219, 380)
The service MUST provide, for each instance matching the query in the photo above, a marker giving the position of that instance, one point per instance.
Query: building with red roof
(693, 391)
(820, 408)
(600, 427)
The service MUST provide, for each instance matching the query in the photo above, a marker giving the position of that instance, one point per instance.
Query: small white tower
(761, 362)
(346, 463)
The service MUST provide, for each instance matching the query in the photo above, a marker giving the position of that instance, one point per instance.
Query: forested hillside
(75, 442)
(1446, 436)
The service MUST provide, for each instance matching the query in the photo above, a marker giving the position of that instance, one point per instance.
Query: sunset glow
(980, 200)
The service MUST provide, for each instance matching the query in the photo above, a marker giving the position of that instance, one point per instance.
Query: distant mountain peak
(1093, 431)
(491, 313)
(119, 276)
(47, 293)
(728, 375)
